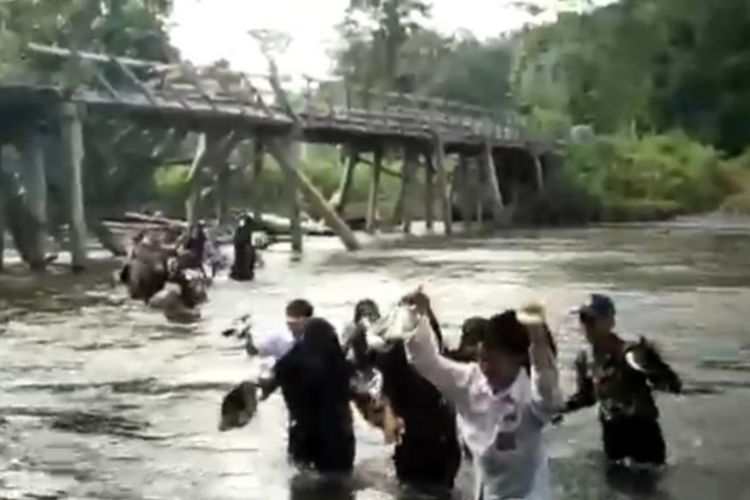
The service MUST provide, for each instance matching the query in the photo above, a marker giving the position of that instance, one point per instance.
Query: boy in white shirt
(502, 405)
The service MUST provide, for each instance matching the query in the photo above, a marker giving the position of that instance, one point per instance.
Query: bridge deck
(178, 95)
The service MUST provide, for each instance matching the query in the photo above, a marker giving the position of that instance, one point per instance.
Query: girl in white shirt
(503, 401)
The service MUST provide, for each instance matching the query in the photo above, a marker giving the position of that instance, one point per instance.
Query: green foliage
(172, 183)
(670, 170)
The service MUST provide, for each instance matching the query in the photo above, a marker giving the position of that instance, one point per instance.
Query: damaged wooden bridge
(224, 108)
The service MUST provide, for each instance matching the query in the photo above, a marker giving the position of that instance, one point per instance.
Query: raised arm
(545, 378)
(584, 396)
(450, 378)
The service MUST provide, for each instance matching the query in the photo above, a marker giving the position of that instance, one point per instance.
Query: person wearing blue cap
(621, 378)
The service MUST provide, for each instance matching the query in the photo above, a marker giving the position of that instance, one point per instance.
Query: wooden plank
(105, 83)
(191, 204)
(65, 53)
(259, 154)
(538, 171)
(72, 145)
(278, 148)
(442, 183)
(190, 73)
(135, 81)
(291, 189)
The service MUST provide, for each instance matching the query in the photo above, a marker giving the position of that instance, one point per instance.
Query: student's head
(471, 335)
(597, 317)
(503, 350)
(298, 312)
(366, 309)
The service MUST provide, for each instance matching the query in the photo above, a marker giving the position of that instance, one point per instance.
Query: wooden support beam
(429, 192)
(280, 150)
(407, 187)
(259, 153)
(347, 178)
(442, 184)
(538, 171)
(291, 190)
(479, 190)
(496, 196)
(199, 159)
(467, 191)
(35, 194)
(372, 198)
(222, 191)
(142, 88)
(3, 221)
(72, 146)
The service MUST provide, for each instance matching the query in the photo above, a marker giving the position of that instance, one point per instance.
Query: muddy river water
(101, 399)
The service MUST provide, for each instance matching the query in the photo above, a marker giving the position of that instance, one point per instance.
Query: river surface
(102, 399)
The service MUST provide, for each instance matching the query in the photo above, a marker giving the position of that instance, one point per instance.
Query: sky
(208, 30)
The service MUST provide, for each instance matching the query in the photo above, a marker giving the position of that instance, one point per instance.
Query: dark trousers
(637, 438)
(427, 461)
(325, 452)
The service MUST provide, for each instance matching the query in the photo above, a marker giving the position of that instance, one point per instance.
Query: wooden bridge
(226, 107)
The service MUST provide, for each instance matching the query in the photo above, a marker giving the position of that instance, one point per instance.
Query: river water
(103, 400)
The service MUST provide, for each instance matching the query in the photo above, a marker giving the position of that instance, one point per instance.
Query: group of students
(491, 398)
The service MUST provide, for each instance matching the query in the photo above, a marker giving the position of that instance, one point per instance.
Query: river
(104, 400)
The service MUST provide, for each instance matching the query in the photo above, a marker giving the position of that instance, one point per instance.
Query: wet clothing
(503, 430)
(243, 268)
(621, 379)
(314, 380)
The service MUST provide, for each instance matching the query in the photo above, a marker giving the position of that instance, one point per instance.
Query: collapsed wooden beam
(491, 173)
(347, 179)
(280, 150)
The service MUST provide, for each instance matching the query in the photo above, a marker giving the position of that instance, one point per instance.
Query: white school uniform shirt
(502, 430)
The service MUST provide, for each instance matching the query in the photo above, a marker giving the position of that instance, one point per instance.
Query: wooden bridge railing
(123, 81)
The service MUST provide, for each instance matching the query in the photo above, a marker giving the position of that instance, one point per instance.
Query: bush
(660, 174)
(171, 184)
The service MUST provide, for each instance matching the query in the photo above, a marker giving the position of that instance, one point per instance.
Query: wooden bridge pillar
(468, 195)
(291, 189)
(347, 179)
(491, 172)
(199, 159)
(372, 198)
(259, 153)
(35, 193)
(429, 191)
(442, 184)
(72, 146)
(2, 217)
(408, 173)
(538, 172)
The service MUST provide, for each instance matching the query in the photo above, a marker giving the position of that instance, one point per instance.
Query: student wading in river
(621, 378)
(502, 407)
